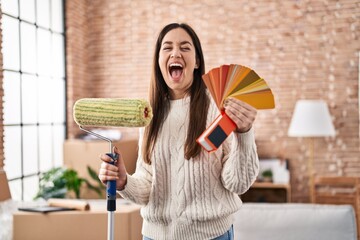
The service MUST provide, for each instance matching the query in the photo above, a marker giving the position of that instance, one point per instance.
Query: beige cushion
(271, 221)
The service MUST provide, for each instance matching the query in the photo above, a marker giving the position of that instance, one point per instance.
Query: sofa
(292, 221)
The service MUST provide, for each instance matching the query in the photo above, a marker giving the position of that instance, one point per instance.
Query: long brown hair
(160, 101)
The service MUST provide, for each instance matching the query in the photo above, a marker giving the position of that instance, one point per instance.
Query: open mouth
(176, 70)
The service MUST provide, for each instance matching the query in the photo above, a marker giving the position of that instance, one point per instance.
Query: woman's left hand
(241, 113)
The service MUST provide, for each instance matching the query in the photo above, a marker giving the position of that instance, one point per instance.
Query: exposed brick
(2, 157)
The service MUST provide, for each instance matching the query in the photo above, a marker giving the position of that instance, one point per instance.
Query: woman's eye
(185, 49)
(166, 48)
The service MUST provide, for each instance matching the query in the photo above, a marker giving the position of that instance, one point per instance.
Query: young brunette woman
(186, 192)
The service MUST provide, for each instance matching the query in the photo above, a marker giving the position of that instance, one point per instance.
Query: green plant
(267, 175)
(100, 188)
(57, 182)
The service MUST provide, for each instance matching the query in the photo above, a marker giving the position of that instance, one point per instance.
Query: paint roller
(111, 112)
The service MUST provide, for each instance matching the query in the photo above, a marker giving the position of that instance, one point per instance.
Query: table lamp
(311, 118)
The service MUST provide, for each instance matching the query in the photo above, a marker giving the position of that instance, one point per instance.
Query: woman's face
(177, 61)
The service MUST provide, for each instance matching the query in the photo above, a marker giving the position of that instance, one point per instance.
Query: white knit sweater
(191, 199)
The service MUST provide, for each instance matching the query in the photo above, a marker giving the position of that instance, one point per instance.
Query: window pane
(31, 187)
(29, 99)
(57, 16)
(45, 147)
(44, 51)
(12, 151)
(11, 98)
(59, 101)
(10, 43)
(10, 7)
(27, 10)
(59, 136)
(28, 48)
(58, 62)
(30, 148)
(34, 91)
(45, 97)
(15, 189)
(43, 13)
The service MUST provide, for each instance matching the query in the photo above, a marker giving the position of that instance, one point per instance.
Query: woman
(186, 192)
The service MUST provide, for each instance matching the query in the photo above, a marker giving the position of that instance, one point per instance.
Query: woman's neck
(177, 96)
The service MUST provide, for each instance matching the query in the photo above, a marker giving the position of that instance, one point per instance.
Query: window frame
(38, 125)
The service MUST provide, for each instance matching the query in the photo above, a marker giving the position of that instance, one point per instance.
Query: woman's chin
(175, 80)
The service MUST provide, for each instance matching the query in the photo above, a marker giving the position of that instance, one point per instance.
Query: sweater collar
(180, 102)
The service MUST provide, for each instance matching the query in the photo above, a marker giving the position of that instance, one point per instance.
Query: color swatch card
(239, 82)
(235, 81)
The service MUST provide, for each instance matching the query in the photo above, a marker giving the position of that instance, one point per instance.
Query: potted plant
(267, 175)
(60, 181)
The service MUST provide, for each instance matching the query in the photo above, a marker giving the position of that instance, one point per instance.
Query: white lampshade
(311, 118)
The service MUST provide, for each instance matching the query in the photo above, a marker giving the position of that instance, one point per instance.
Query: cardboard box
(70, 225)
(4, 187)
(78, 154)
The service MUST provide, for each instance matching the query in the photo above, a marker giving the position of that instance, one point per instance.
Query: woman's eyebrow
(181, 43)
(185, 42)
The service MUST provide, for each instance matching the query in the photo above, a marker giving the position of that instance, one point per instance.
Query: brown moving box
(78, 224)
(4, 187)
(78, 154)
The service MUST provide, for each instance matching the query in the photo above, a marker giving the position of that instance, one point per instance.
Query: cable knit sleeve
(240, 162)
(138, 186)
(239, 158)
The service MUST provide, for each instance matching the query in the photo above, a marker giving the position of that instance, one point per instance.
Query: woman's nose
(176, 54)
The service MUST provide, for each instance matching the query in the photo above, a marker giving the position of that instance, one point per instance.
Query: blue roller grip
(111, 186)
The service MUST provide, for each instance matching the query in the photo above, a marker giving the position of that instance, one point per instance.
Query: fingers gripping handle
(111, 186)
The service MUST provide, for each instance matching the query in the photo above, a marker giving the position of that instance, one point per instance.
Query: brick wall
(78, 50)
(303, 49)
(2, 157)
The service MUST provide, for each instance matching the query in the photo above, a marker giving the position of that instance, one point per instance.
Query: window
(34, 91)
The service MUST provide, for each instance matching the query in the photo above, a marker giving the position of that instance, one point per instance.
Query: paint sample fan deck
(239, 82)
(235, 81)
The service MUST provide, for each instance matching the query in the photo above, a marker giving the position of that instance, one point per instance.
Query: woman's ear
(197, 64)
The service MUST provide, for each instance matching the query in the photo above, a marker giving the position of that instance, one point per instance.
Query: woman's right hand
(116, 172)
